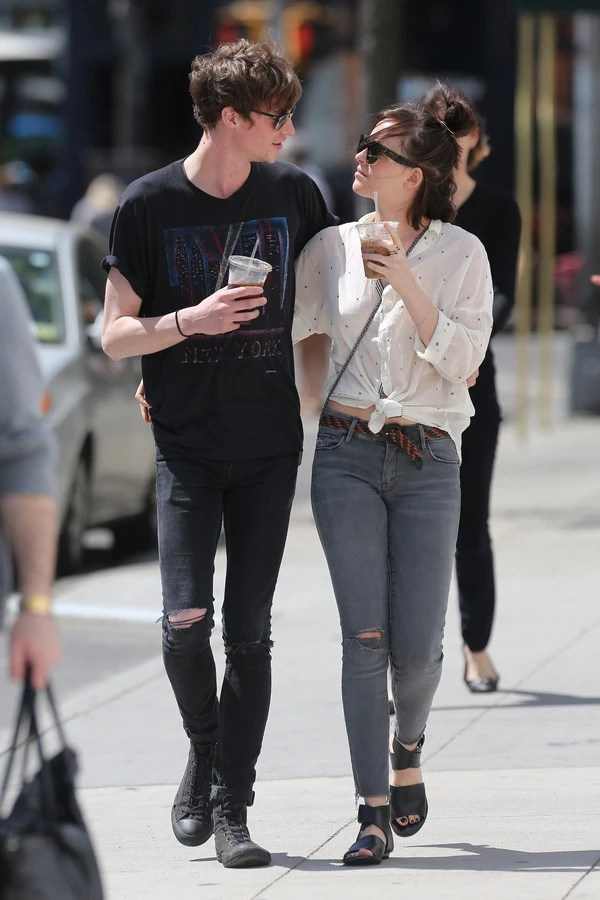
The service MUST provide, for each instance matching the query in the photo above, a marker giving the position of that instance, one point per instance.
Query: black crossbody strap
(379, 286)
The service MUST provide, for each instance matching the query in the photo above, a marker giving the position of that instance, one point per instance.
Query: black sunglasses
(375, 149)
(279, 120)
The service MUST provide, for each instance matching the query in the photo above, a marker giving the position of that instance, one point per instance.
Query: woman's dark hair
(244, 76)
(428, 141)
(467, 118)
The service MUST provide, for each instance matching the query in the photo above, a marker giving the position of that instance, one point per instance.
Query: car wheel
(71, 551)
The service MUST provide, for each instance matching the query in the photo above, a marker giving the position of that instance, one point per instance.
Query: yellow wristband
(40, 604)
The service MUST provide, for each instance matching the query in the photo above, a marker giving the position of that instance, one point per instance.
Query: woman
(385, 490)
(496, 221)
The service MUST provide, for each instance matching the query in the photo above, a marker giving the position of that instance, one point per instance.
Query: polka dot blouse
(425, 384)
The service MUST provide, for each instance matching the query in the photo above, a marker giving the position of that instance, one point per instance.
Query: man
(28, 516)
(219, 382)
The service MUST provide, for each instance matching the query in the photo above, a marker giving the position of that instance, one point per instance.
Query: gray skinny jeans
(388, 531)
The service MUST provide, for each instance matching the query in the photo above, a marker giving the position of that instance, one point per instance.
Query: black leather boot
(235, 848)
(191, 815)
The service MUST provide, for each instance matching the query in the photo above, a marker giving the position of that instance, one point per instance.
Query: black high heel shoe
(371, 815)
(412, 799)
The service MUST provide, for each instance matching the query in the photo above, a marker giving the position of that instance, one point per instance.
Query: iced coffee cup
(247, 271)
(374, 238)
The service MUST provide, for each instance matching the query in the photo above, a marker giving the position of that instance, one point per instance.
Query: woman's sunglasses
(375, 149)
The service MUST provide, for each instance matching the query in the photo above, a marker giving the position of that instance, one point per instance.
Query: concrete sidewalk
(513, 778)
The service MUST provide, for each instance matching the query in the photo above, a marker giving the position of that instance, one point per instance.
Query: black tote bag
(45, 849)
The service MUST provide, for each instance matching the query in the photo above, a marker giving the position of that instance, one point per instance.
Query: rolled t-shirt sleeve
(127, 246)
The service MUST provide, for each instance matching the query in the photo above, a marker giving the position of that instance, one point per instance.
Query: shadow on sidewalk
(530, 699)
(281, 860)
(478, 858)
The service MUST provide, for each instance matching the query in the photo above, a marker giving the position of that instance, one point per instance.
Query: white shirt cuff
(441, 339)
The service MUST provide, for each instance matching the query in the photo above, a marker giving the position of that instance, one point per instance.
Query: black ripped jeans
(252, 499)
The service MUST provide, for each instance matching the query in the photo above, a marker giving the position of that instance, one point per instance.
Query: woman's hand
(140, 396)
(472, 378)
(393, 268)
(396, 271)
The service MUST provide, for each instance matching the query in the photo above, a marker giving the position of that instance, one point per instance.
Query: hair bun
(445, 125)
(456, 111)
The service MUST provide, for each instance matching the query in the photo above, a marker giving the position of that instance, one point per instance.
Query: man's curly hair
(244, 76)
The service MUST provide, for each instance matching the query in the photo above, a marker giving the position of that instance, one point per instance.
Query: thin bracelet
(179, 326)
(422, 320)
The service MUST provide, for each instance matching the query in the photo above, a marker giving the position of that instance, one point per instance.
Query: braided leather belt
(393, 432)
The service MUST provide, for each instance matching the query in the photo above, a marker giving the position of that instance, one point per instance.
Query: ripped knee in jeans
(185, 618)
(371, 639)
(253, 648)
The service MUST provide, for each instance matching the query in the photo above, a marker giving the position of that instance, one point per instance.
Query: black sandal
(371, 815)
(412, 799)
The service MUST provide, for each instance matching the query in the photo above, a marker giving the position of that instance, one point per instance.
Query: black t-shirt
(229, 396)
(495, 219)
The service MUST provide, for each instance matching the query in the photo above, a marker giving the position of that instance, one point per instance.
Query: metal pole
(381, 48)
(547, 240)
(586, 158)
(380, 43)
(76, 108)
(129, 126)
(524, 183)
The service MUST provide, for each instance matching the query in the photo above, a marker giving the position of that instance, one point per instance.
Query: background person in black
(495, 219)
(218, 378)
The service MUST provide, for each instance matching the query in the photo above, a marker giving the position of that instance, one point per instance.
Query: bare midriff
(365, 414)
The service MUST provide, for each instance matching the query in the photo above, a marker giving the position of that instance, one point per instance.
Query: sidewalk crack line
(579, 880)
(304, 859)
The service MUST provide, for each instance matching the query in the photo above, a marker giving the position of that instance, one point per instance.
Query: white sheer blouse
(425, 384)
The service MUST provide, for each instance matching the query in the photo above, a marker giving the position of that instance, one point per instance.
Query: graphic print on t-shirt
(197, 266)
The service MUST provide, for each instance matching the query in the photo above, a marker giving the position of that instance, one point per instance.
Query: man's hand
(34, 642)
(472, 378)
(140, 396)
(223, 311)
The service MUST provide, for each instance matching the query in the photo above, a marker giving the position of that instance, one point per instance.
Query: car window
(37, 270)
(91, 279)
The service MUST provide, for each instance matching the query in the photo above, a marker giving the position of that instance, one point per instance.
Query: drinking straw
(254, 249)
(377, 216)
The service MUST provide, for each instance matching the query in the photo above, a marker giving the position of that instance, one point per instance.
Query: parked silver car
(105, 459)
